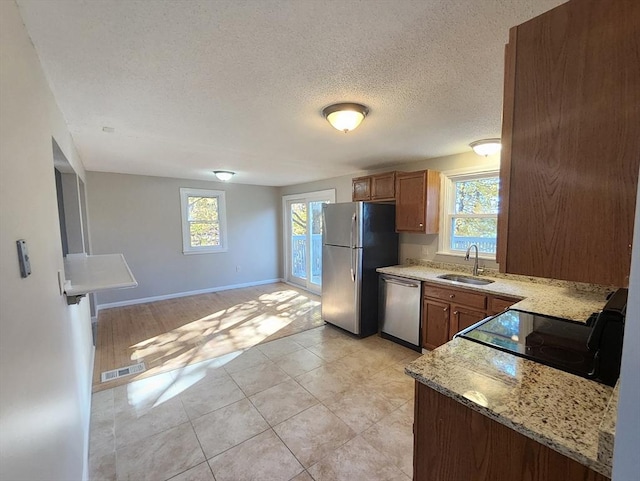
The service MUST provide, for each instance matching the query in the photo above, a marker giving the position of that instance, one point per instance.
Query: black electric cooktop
(559, 343)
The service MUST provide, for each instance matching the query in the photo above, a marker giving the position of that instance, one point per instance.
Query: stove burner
(559, 354)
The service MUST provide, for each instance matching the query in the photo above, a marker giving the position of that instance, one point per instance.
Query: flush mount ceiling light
(486, 146)
(224, 175)
(345, 116)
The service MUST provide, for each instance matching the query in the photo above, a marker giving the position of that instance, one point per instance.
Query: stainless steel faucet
(476, 271)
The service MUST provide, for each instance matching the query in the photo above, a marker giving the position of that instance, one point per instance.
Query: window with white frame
(204, 221)
(470, 212)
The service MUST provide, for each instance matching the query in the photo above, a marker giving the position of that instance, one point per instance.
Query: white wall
(411, 245)
(626, 462)
(45, 345)
(139, 216)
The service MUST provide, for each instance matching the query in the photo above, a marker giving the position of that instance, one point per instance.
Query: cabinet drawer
(499, 304)
(465, 298)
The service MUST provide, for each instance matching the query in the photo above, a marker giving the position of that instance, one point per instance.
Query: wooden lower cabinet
(448, 310)
(463, 317)
(496, 305)
(435, 323)
(453, 442)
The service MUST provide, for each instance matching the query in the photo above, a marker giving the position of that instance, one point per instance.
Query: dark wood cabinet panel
(383, 187)
(361, 189)
(417, 201)
(435, 326)
(453, 442)
(451, 309)
(374, 188)
(496, 305)
(571, 137)
(459, 296)
(463, 317)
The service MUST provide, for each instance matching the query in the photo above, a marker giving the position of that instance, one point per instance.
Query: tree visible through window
(471, 212)
(204, 227)
(203, 220)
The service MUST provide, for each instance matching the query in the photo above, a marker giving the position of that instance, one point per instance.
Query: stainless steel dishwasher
(400, 310)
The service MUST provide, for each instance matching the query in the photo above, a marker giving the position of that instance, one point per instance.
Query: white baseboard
(144, 300)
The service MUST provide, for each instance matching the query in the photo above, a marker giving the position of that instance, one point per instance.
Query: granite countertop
(559, 410)
(569, 414)
(568, 300)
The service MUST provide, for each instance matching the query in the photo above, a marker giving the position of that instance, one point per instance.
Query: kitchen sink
(465, 279)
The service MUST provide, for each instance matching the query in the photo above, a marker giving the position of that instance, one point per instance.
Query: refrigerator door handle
(353, 228)
(352, 246)
(353, 270)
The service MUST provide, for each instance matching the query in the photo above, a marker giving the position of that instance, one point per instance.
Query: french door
(303, 238)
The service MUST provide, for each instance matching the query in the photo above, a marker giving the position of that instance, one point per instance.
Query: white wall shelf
(85, 274)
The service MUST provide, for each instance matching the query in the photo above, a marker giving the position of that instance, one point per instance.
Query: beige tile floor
(318, 405)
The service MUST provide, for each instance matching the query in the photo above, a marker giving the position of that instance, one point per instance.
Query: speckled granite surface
(569, 300)
(608, 429)
(557, 409)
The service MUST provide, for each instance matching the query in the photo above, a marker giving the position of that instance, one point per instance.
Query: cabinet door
(463, 317)
(435, 323)
(417, 201)
(383, 186)
(454, 442)
(499, 304)
(571, 137)
(361, 189)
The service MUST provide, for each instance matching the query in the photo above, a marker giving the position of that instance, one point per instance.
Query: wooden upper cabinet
(571, 143)
(383, 187)
(417, 200)
(361, 189)
(374, 188)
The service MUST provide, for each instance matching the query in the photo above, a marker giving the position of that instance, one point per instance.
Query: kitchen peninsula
(503, 416)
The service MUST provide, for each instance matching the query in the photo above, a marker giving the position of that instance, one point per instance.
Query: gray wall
(72, 213)
(420, 246)
(139, 216)
(45, 345)
(626, 462)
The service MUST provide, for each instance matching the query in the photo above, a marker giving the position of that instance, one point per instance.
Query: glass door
(303, 238)
(298, 243)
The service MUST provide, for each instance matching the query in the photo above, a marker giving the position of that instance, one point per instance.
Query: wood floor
(170, 334)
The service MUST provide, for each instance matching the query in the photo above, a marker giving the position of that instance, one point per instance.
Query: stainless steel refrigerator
(357, 238)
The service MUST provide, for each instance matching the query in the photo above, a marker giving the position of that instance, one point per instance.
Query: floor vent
(123, 371)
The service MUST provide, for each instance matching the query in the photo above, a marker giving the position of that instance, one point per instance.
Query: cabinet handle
(455, 313)
(451, 296)
(421, 225)
(445, 309)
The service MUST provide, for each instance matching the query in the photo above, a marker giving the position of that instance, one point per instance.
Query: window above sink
(469, 212)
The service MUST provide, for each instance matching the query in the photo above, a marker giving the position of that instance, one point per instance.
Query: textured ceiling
(194, 86)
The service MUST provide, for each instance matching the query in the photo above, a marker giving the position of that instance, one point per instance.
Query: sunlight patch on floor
(211, 341)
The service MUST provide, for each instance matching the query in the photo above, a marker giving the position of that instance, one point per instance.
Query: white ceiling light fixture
(486, 146)
(224, 175)
(345, 116)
